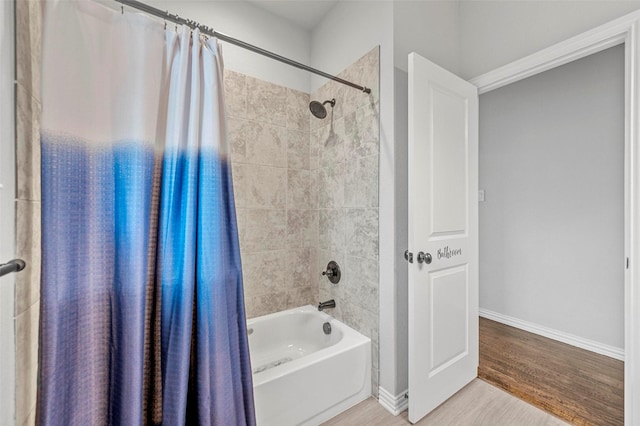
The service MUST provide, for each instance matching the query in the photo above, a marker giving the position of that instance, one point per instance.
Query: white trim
(593, 41)
(560, 336)
(393, 404)
(622, 30)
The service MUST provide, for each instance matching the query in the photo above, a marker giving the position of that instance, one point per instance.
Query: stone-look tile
(361, 228)
(315, 138)
(28, 248)
(257, 143)
(360, 319)
(264, 304)
(363, 128)
(331, 181)
(241, 220)
(297, 110)
(314, 188)
(299, 195)
(259, 186)
(264, 230)
(298, 153)
(340, 93)
(235, 91)
(302, 228)
(361, 282)
(29, 44)
(300, 297)
(375, 356)
(331, 146)
(264, 272)
(237, 140)
(26, 361)
(266, 102)
(27, 145)
(331, 233)
(375, 377)
(299, 268)
(361, 182)
(31, 418)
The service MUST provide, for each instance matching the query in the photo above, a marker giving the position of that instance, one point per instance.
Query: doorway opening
(552, 236)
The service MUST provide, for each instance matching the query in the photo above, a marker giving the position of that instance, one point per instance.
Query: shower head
(318, 110)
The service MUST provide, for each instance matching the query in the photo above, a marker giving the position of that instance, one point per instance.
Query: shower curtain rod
(220, 36)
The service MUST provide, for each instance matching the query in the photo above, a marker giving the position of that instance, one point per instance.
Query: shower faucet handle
(332, 272)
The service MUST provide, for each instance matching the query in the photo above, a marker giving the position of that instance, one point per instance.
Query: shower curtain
(142, 313)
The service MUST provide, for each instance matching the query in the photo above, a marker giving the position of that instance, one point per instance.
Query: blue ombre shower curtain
(142, 314)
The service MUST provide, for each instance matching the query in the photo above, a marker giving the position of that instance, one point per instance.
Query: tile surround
(27, 360)
(307, 193)
(28, 248)
(28, 16)
(266, 102)
(348, 198)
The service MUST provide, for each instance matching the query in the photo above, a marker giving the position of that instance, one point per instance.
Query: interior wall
(429, 28)
(494, 33)
(7, 217)
(242, 20)
(401, 94)
(552, 225)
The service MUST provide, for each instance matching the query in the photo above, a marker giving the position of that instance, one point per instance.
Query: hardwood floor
(579, 386)
(478, 404)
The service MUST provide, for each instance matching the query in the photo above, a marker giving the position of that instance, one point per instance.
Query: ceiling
(304, 13)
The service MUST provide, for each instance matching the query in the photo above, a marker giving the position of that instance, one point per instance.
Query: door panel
(443, 221)
(448, 162)
(449, 295)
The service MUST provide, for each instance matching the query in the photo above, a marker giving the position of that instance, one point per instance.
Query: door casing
(622, 30)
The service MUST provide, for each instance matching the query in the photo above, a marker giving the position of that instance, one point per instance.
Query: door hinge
(406, 395)
(408, 256)
(627, 263)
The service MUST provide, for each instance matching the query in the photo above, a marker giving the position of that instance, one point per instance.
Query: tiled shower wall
(306, 193)
(275, 193)
(27, 303)
(344, 157)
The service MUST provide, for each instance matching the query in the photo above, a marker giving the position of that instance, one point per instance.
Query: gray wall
(401, 94)
(552, 226)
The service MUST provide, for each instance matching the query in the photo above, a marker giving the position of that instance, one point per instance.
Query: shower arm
(220, 36)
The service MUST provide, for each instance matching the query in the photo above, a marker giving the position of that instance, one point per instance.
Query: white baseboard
(590, 345)
(393, 404)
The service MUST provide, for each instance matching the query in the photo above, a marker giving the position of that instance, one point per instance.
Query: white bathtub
(301, 376)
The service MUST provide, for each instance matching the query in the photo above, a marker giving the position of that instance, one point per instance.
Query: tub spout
(328, 304)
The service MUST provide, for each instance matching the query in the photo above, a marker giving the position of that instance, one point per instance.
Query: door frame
(622, 30)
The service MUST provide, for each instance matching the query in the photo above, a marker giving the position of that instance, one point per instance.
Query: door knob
(424, 257)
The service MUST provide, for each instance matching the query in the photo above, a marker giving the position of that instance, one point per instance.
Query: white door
(443, 235)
